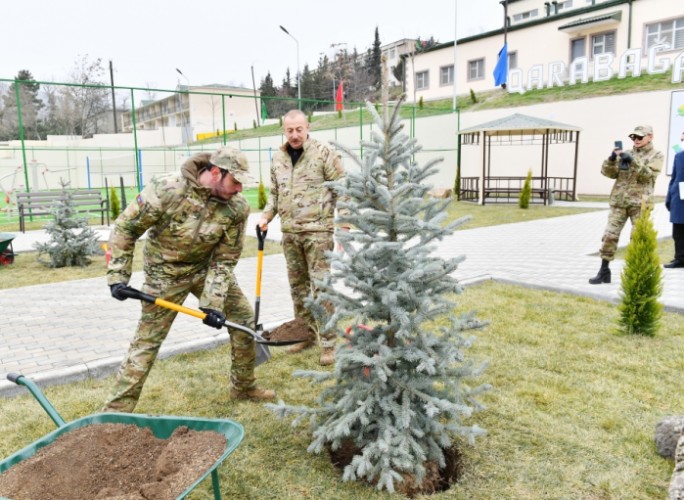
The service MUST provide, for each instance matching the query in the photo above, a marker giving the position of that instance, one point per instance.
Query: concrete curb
(105, 367)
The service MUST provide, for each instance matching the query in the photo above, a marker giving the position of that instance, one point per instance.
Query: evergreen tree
(526, 193)
(267, 91)
(375, 62)
(71, 242)
(399, 391)
(30, 107)
(642, 285)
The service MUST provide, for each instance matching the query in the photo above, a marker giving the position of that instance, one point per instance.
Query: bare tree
(83, 102)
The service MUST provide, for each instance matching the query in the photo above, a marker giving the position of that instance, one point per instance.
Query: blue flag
(501, 68)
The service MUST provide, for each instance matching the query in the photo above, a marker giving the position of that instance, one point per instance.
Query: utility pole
(111, 77)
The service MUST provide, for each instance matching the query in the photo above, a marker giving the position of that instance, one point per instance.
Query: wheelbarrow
(6, 251)
(161, 426)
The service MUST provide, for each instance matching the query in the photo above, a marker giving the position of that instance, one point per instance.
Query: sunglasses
(636, 137)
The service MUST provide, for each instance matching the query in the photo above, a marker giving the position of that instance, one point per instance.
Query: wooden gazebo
(517, 129)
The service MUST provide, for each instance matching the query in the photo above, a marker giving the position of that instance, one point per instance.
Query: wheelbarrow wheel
(6, 258)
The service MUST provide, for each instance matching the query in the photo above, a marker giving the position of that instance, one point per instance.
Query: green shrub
(640, 311)
(262, 197)
(473, 97)
(526, 193)
(114, 203)
(420, 103)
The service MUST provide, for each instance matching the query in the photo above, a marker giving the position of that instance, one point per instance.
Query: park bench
(84, 201)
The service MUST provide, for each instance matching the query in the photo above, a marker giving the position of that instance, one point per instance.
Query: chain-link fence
(93, 136)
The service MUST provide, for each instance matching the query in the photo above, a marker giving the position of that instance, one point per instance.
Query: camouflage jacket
(297, 193)
(189, 232)
(637, 180)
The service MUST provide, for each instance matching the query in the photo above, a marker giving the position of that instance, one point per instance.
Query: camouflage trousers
(306, 263)
(154, 325)
(616, 222)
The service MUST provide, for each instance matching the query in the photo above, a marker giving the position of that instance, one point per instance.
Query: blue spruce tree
(72, 242)
(399, 391)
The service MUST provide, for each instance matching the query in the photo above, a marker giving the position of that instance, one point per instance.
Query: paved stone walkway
(62, 332)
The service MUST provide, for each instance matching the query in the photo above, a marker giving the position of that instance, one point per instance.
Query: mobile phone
(618, 144)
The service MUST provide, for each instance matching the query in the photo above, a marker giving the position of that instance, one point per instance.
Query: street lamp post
(299, 83)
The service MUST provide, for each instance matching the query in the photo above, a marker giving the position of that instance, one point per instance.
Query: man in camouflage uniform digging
(635, 174)
(196, 221)
(306, 208)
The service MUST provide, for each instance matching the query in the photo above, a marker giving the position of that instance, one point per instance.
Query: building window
(446, 75)
(476, 69)
(422, 80)
(524, 16)
(577, 48)
(564, 5)
(512, 60)
(603, 43)
(667, 32)
(392, 53)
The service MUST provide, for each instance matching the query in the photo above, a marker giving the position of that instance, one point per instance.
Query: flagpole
(455, 51)
(505, 21)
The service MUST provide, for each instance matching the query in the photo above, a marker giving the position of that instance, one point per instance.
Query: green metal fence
(94, 136)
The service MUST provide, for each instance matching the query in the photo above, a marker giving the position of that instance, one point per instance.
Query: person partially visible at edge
(635, 173)
(196, 220)
(306, 208)
(675, 204)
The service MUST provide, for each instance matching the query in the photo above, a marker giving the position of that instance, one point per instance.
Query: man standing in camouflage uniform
(196, 220)
(306, 208)
(635, 174)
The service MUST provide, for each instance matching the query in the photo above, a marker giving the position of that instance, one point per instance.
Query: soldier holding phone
(635, 173)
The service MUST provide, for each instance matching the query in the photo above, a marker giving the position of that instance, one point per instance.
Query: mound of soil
(297, 329)
(114, 461)
(435, 479)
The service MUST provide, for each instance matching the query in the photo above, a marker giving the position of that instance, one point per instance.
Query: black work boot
(603, 275)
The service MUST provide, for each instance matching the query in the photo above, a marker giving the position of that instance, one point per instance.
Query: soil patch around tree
(114, 461)
(297, 329)
(435, 480)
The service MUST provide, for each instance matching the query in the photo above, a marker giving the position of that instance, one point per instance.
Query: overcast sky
(216, 41)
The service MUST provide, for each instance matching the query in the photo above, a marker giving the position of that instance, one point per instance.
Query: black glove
(213, 318)
(626, 157)
(116, 290)
(612, 156)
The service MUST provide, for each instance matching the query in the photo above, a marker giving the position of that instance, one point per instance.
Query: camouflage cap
(641, 131)
(233, 161)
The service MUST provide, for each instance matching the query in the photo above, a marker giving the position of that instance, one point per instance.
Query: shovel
(262, 350)
(137, 294)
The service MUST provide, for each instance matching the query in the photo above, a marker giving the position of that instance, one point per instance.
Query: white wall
(602, 120)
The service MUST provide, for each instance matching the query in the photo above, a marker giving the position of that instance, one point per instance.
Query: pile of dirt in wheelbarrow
(114, 461)
(297, 329)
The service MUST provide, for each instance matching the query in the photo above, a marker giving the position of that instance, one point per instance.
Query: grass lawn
(571, 413)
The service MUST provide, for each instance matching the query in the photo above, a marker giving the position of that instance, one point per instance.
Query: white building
(200, 111)
(554, 44)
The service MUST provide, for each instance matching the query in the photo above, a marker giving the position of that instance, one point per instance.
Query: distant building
(393, 52)
(200, 111)
(553, 44)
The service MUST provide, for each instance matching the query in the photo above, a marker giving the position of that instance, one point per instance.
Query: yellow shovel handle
(177, 307)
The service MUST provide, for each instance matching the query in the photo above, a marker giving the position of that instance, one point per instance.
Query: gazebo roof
(519, 124)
